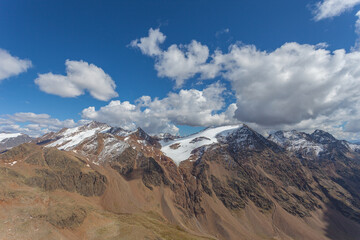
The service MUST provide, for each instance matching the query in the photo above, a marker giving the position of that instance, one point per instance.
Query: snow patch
(12, 163)
(296, 141)
(354, 147)
(112, 147)
(185, 146)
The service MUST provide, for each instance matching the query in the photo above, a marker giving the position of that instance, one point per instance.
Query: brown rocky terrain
(120, 185)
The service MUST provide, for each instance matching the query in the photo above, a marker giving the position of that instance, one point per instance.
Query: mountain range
(230, 182)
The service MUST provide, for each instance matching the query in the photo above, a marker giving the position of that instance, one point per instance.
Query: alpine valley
(230, 182)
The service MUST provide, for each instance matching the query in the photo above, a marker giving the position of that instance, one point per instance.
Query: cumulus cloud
(150, 45)
(182, 62)
(11, 65)
(80, 76)
(295, 85)
(178, 62)
(33, 124)
(188, 107)
(333, 8)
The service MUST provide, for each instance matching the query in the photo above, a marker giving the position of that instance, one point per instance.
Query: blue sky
(105, 36)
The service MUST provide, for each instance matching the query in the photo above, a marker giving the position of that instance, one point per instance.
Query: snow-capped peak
(118, 131)
(323, 137)
(69, 138)
(10, 140)
(297, 141)
(181, 149)
(4, 136)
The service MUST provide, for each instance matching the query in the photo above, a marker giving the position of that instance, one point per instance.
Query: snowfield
(74, 136)
(4, 136)
(180, 149)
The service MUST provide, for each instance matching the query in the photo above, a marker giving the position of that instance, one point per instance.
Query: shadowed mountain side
(340, 227)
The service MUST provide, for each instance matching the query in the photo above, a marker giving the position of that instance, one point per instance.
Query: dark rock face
(150, 171)
(322, 137)
(200, 171)
(153, 173)
(289, 184)
(125, 162)
(229, 198)
(141, 134)
(118, 131)
(235, 191)
(86, 184)
(335, 172)
(251, 191)
(199, 139)
(165, 137)
(64, 172)
(246, 138)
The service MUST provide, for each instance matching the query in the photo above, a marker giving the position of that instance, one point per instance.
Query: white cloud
(188, 107)
(41, 119)
(295, 85)
(150, 45)
(182, 62)
(33, 124)
(333, 8)
(11, 65)
(178, 62)
(80, 76)
(357, 31)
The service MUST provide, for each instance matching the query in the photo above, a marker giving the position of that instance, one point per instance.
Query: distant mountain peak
(69, 138)
(311, 145)
(10, 140)
(94, 124)
(323, 137)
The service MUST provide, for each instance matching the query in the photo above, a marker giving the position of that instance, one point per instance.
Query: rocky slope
(100, 182)
(10, 140)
